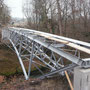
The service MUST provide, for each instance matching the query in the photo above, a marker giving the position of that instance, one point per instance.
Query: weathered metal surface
(29, 45)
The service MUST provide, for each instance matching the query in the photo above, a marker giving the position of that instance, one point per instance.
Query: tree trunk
(59, 19)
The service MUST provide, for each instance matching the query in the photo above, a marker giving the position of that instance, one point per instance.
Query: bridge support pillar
(81, 78)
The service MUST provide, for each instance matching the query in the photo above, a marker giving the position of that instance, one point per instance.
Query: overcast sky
(15, 7)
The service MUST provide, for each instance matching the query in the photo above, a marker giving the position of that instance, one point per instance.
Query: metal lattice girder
(67, 67)
(60, 37)
(29, 46)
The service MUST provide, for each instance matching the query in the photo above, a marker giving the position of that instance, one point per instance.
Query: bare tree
(85, 13)
(59, 16)
(4, 13)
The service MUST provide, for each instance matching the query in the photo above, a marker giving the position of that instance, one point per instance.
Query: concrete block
(81, 78)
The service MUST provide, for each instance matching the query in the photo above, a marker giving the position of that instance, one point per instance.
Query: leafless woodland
(4, 13)
(60, 17)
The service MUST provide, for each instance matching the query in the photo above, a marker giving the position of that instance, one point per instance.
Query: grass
(9, 63)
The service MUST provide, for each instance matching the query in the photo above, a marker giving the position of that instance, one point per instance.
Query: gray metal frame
(28, 46)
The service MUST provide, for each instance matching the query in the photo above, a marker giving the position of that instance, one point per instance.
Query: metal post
(30, 62)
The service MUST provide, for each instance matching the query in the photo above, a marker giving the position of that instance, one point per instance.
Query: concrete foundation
(81, 79)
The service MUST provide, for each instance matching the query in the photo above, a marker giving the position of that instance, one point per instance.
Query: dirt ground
(57, 83)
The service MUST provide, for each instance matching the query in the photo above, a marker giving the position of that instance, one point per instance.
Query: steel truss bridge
(56, 53)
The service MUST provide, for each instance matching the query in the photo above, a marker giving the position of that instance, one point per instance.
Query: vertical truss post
(30, 61)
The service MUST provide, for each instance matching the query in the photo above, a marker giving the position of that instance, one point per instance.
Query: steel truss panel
(38, 50)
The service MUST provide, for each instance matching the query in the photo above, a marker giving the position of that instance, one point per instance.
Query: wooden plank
(69, 81)
(78, 47)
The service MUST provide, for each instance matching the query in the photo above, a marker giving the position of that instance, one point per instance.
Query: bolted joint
(85, 64)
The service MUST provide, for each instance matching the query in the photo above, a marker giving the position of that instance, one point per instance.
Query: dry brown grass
(8, 61)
